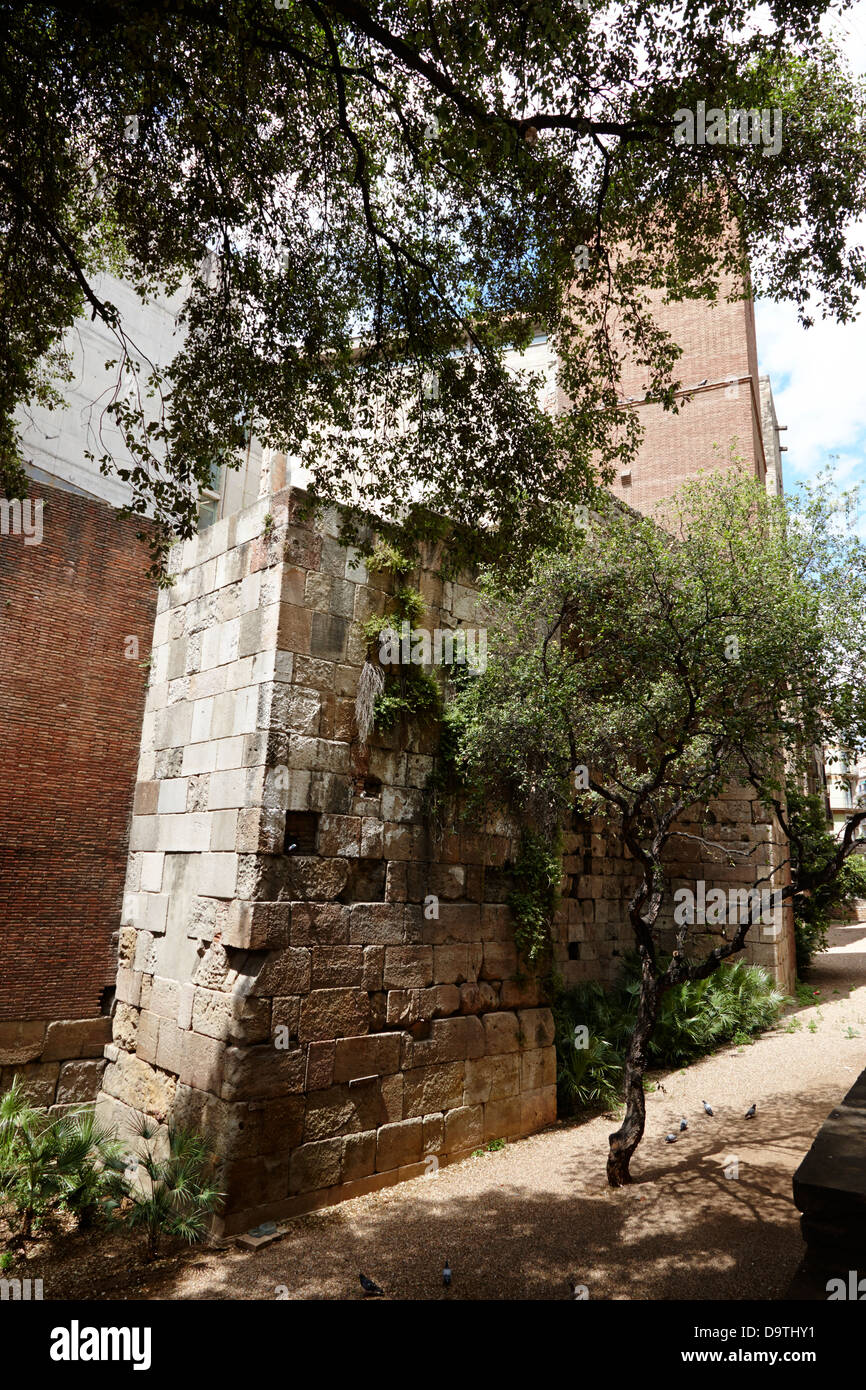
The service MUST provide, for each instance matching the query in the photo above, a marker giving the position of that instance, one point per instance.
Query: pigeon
(704, 382)
(290, 847)
(708, 1108)
(368, 1286)
(750, 1113)
(684, 1124)
(670, 1138)
(446, 1274)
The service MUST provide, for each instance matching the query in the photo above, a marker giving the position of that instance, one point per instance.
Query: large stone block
(359, 1155)
(333, 1013)
(38, 1078)
(316, 1165)
(464, 1128)
(140, 1086)
(408, 967)
(310, 879)
(431, 1088)
(285, 972)
(536, 1027)
(78, 1037)
(537, 1069)
(492, 1078)
(341, 1110)
(254, 1181)
(257, 926)
(537, 1109)
(252, 1072)
(376, 924)
(21, 1042)
(315, 924)
(399, 1144)
(335, 966)
(501, 1032)
(503, 1118)
(451, 1040)
(373, 1054)
(230, 1018)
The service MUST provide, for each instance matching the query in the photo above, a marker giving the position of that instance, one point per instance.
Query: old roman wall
(307, 974)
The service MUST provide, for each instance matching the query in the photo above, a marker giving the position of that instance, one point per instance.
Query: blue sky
(819, 374)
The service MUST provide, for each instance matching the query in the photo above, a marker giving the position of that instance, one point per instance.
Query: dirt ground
(519, 1222)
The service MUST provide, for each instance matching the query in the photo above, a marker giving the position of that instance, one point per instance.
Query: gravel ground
(517, 1223)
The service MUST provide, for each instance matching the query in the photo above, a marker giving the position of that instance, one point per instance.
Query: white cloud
(818, 373)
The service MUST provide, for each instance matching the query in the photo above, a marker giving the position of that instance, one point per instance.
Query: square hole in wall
(574, 950)
(302, 827)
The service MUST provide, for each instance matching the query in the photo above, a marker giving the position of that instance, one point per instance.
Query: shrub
(730, 1005)
(413, 694)
(50, 1162)
(811, 848)
(170, 1195)
(534, 900)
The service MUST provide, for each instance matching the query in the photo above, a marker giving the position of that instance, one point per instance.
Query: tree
(636, 677)
(365, 203)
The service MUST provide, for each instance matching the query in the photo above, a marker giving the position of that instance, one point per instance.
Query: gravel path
(518, 1222)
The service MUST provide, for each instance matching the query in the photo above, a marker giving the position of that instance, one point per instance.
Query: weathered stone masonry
(276, 888)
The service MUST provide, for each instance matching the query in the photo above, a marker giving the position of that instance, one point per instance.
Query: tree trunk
(626, 1139)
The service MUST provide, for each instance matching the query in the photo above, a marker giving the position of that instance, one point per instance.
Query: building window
(209, 497)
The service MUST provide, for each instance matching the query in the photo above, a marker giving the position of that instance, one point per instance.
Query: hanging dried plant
(370, 686)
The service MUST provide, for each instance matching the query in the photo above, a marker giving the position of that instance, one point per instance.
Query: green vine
(411, 692)
(535, 897)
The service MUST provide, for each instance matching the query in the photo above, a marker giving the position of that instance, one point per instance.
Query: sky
(819, 374)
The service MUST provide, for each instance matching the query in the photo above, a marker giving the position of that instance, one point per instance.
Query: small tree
(637, 676)
(167, 1189)
(48, 1162)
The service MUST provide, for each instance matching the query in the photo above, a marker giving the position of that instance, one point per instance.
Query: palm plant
(48, 1162)
(170, 1192)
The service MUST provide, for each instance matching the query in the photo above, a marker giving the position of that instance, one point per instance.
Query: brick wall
(70, 709)
(718, 347)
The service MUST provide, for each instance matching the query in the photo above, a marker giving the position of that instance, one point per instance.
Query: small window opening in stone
(372, 788)
(574, 950)
(301, 830)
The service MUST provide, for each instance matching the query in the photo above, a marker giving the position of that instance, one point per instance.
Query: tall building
(725, 409)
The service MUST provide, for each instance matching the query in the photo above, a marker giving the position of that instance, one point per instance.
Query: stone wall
(306, 973)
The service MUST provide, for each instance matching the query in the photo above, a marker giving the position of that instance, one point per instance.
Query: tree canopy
(367, 202)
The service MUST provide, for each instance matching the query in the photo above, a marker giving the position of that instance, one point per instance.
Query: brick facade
(70, 709)
(719, 407)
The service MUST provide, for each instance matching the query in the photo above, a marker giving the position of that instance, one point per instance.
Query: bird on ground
(446, 1274)
(750, 1113)
(368, 1286)
(684, 1124)
(708, 1108)
(670, 1138)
